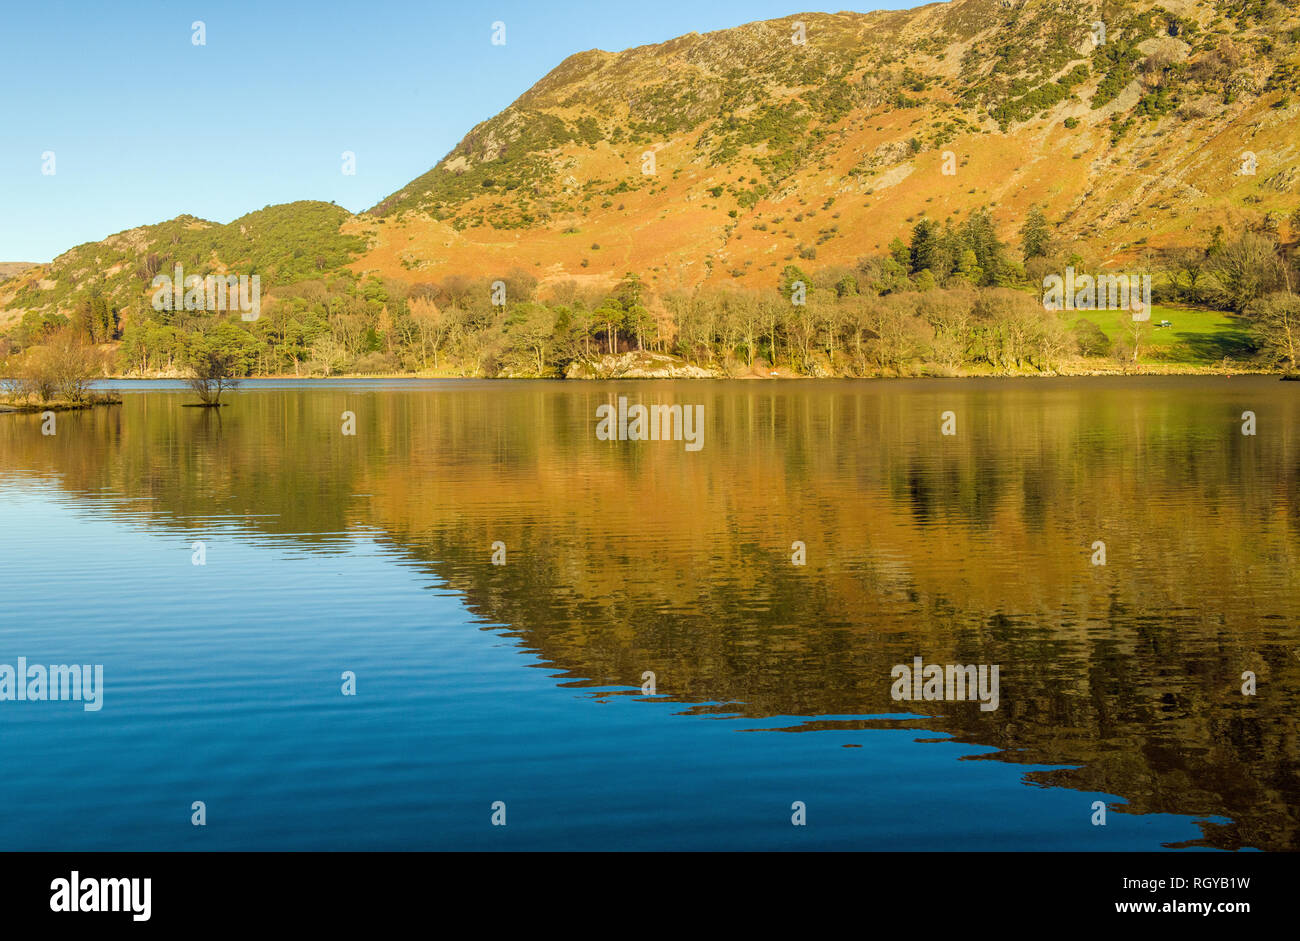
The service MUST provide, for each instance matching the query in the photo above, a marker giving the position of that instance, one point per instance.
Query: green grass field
(1200, 337)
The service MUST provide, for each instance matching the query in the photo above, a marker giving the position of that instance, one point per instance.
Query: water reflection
(625, 557)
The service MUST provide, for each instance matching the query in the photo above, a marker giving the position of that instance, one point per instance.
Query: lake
(499, 580)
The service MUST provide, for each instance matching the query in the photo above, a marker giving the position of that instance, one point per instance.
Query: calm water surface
(521, 683)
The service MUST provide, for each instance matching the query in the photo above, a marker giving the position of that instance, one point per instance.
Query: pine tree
(100, 320)
(1035, 234)
(925, 245)
(85, 318)
(979, 233)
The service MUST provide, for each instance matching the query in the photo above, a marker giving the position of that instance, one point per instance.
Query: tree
(980, 234)
(884, 275)
(96, 319)
(1135, 336)
(217, 358)
(1090, 339)
(628, 291)
(1246, 269)
(1035, 235)
(900, 252)
(1276, 323)
(610, 315)
(693, 332)
(892, 330)
(533, 327)
(790, 276)
(751, 316)
(1215, 245)
(830, 317)
(85, 319)
(326, 355)
(63, 365)
(775, 317)
(925, 246)
(520, 285)
(1188, 265)
(950, 315)
(433, 327)
(210, 376)
(638, 321)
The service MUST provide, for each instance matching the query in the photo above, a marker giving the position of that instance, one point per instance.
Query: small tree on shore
(61, 366)
(1276, 323)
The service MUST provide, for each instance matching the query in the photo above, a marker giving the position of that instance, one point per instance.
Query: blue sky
(144, 125)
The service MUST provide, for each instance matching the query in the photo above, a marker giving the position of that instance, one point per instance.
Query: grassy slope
(1202, 337)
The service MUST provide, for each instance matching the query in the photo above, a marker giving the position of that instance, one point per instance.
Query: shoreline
(744, 377)
(59, 405)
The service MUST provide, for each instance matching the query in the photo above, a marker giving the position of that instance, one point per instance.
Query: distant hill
(10, 268)
(284, 244)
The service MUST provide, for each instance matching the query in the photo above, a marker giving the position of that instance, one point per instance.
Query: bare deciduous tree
(1276, 320)
(1246, 269)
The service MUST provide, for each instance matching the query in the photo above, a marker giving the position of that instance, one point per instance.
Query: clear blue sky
(145, 125)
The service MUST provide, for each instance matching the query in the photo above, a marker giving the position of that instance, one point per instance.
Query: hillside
(766, 151)
(284, 245)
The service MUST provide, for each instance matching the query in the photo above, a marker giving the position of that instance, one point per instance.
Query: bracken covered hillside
(764, 150)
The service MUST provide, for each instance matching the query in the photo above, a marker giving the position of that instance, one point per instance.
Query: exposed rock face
(637, 365)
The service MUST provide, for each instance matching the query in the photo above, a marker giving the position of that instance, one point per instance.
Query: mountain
(722, 157)
(1181, 116)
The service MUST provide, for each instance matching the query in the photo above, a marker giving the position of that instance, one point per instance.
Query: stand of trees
(947, 299)
(62, 366)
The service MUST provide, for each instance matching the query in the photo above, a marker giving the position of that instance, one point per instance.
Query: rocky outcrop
(637, 365)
